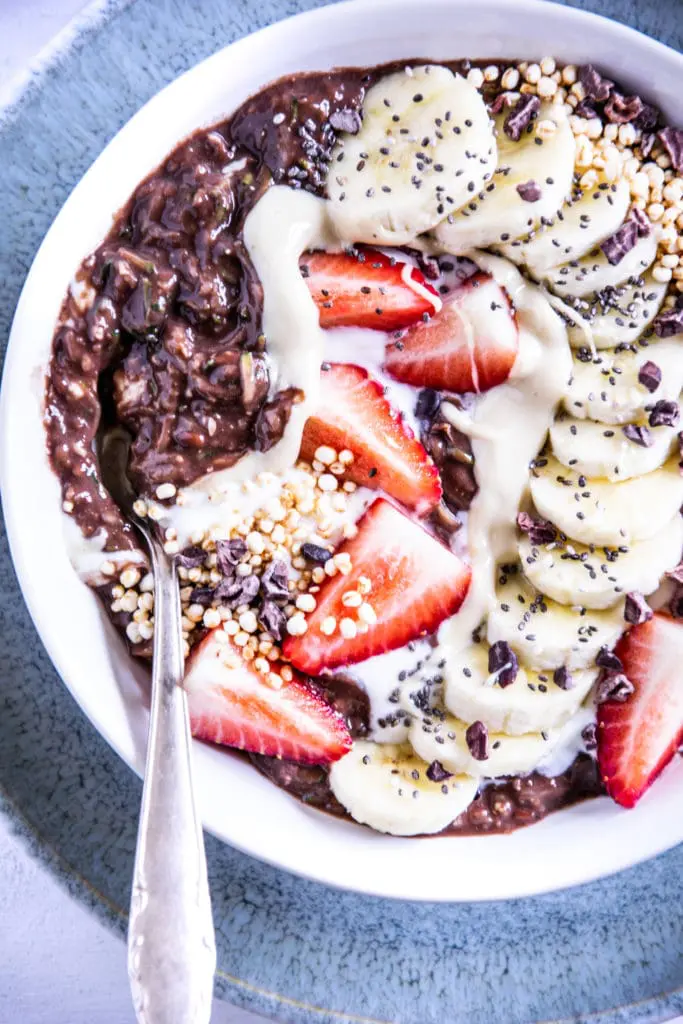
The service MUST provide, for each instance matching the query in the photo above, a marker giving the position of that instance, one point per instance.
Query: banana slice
(576, 229)
(597, 450)
(596, 511)
(442, 738)
(594, 272)
(546, 635)
(499, 213)
(425, 146)
(386, 786)
(576, 575)
(618, 318)
(607, 389)
(532, 703)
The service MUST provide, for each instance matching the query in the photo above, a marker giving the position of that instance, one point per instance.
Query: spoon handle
(171, 943)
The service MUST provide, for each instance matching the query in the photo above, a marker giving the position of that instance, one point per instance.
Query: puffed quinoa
(546, 128)
(326, 455)
(306, 603)
(133, 632)
(328, 625)
(297, 625)
(475, 77)
(352, 599)
(367, 614)
(510, 79)
(662, 274)
(348, 628)
(491, 73)
(247, 621)
(533, 74)
(364, 584)
(546, 88)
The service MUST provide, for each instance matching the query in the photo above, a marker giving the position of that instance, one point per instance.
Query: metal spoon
(171, 942)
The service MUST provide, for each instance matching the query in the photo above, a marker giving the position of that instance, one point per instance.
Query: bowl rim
(23, 552)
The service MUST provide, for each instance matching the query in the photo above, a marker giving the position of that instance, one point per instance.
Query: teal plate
(292, 950)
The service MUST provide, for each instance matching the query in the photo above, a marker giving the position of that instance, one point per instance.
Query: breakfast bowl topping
(398, 352)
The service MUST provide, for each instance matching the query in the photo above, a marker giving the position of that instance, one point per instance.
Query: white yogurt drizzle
(290, 318)
(507, 429)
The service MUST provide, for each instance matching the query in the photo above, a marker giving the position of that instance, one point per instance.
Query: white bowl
(237, 804)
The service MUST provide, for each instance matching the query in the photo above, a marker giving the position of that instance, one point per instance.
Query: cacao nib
(672, 140)
(563, 679)
(664, 414)
(238, 590)
(596, 87)
(275, 579)
(676, 573)
(642, 221)
(477, 738)
(586, 108)
(437, 773)
(636, 609)
(273, 619)
(503, 662)
(622, 109)
(668, 323)
(521, 116)
(530, 191)
(502, 101)
(609, 660)
(191, 558)
(639, 435)
(202, 595)
(650, 376)
(622, 241)
(540, 530)
(588, 734)
(614, 686)
(316, 553)
(229, 554)
(647, 119)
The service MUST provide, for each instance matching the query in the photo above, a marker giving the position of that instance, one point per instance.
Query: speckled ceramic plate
(291, 949)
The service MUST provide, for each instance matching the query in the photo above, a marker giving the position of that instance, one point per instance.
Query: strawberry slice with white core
(405, 581)
(638, 737)
(470, 345)
(353, 414)
(232, 704)
(367, 289)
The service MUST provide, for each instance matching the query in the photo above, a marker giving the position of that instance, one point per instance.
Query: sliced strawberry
(415, 583)
(354, 414)
(638, 738)
(232, 704)
(367, 289)
(470, 345)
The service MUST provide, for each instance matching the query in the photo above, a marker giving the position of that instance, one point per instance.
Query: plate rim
(571, 13)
